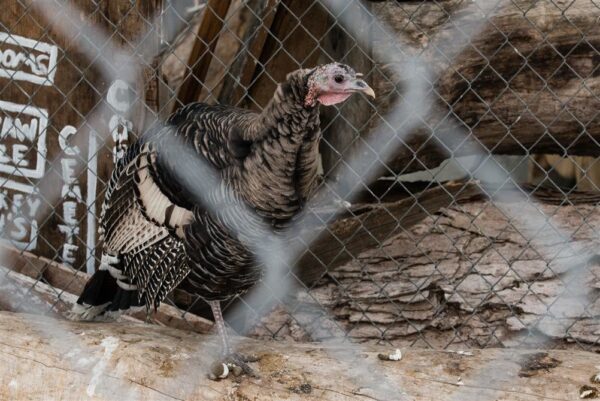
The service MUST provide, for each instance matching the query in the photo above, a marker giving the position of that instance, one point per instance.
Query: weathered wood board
(48, 88)
(42, 92)
(43, 358)
(471, 274)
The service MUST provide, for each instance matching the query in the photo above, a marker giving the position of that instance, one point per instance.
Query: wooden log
(472, 274)
(21, 293)
(371, 225)
(527, 82)
(43, 358)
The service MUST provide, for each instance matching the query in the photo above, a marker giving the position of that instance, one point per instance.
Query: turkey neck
(282, 166)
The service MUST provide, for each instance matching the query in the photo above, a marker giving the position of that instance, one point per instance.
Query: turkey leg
(228, 357)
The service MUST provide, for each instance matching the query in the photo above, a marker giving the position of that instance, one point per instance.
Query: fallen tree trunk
(527, 82)
(472, 274)
(43, 358)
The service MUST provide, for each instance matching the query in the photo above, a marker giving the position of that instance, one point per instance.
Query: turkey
(156, 235)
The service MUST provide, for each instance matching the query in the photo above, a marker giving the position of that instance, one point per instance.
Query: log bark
(472, 274)
(43, 358)
(527, 82)
(368, 225)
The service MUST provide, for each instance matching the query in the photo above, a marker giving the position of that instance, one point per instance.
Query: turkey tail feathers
(107, 294)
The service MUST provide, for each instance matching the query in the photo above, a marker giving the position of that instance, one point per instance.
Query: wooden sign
(53, 165)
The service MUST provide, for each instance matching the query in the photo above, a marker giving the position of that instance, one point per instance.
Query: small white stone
(585, 393)
(225, 371)
(396, 356)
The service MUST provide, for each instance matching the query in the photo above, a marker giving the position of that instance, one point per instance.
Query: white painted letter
(118, 96)
(63, 137)
(68, 173)
(69, 211)
(18, 156)
(73, 191)
(68, 252)
(4, 159)
(33, 203)
(21, 229)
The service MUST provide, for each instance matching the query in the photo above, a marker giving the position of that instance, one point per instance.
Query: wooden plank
(202, 52)
(294, 41)
(49, 96)
(247, 59)
(39, 267)
(57, 174)
(163, 364)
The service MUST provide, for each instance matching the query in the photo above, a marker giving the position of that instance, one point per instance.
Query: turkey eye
(338, 79)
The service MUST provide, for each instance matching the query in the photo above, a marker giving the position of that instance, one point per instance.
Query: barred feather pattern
(125, 226)
(269, 164)
(114, 185)
(154, 222)
(157, 270)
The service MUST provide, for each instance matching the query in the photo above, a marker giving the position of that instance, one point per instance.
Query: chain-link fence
(442, 220)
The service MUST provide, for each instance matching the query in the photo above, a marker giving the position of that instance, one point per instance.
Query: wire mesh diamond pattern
(457, 209)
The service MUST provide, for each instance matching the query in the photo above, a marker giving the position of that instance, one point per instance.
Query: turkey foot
(235, 364)
(231, 361)
(241, 362)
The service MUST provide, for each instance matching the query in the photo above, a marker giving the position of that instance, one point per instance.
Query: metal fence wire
(457, 209)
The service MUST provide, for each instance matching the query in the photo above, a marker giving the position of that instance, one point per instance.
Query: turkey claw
(238, 364)
(234, 364)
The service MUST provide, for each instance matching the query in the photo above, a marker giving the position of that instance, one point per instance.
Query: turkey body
(156, 231)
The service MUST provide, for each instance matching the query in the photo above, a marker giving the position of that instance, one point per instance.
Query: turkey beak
(361, 86)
